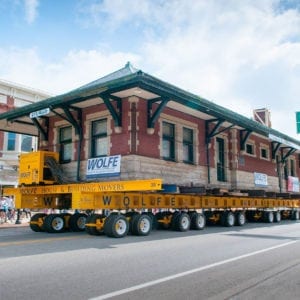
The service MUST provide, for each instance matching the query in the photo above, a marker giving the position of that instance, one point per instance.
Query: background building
(13, 95)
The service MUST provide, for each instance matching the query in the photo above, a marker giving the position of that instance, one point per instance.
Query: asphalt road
(257, 261)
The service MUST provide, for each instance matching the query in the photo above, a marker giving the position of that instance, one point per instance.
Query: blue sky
(241, 54)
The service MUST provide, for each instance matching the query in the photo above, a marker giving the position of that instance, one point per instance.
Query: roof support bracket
(284, 156)
(275, 148)
(244, 136)
(117, 116)
(75, 123)
(44, 133)
(213, 132)
(152, 117)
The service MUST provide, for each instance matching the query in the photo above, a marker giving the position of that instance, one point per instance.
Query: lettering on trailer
(127, 201)
(25, 175)
(117, 186)
(103, 166)
(47, 201)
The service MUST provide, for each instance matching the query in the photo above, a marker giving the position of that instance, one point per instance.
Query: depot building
(131, 125)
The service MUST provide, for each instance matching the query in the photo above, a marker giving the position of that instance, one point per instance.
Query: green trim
(129, 77)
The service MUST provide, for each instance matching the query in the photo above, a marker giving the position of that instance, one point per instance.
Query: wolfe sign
(103, 166)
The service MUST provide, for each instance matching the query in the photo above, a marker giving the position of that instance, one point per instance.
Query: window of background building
(168, 142)
(65, 141)
(188, 145)
(11, 141)
(99, 146)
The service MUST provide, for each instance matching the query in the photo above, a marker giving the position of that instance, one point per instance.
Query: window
(65, 141)
(99, 146)
(26, 144)
(264, 153)
(187, 144)
(292, 168)
(221, 176)
(250, 149)
(11, 141)
(168, 143)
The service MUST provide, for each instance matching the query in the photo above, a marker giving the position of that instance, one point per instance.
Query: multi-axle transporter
(115, 208)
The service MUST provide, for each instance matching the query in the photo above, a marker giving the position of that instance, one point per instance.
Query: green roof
(130, 77)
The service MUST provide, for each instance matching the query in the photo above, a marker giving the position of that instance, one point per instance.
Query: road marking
(182, 274)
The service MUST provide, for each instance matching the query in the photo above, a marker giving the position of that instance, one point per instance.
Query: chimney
(262, 116)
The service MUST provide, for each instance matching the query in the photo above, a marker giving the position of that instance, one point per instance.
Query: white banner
(260, 179)
(293, 184)
(103, 166)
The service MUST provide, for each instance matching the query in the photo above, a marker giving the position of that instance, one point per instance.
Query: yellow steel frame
(92, 196)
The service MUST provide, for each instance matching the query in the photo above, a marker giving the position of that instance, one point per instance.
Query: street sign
(298, 121)
(39, 113)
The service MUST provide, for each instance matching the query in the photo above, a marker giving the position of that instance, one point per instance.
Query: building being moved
(157, 130)
(12, 96)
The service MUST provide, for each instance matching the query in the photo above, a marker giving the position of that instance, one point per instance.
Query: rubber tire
(141, 225)
(268, 217)
(227, 219)
(240, 218)
(198, 220)
(277, 216)
(93, 230)
(35, 218)
(295, 215)
(131, 216)
(51, 220)
(154, 224)
(174, 220)
(112, 223)
(182, 222)
(77, 222)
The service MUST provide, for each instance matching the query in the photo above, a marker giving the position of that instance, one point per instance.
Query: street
(254, 261)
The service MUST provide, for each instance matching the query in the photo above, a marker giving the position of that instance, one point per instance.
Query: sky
(240, 54)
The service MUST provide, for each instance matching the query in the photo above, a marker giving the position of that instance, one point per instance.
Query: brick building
(13, 95)
(159, 131)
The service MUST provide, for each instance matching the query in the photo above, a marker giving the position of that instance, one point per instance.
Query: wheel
(154, 224)
(277, 216)
(227, 218)
(268, 217)
(182, 222)
(97, 222)
(250, 215)
(240, 218)
(141, 225)
(66, 217)
(131, 216)
(77, 222)
(174, 220)
(116, 226)
(54, 223)
(36, 222)
(198, 220)
(295, 215)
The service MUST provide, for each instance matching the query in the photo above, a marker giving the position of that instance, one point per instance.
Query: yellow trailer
(137, 206)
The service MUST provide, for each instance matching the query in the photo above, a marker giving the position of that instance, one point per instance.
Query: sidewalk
(8, 224)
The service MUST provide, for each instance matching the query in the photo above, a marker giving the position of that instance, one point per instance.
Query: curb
(13, 225)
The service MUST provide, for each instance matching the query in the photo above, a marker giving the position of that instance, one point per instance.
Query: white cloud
(77, 68)
(31, 12)
(242, 55)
